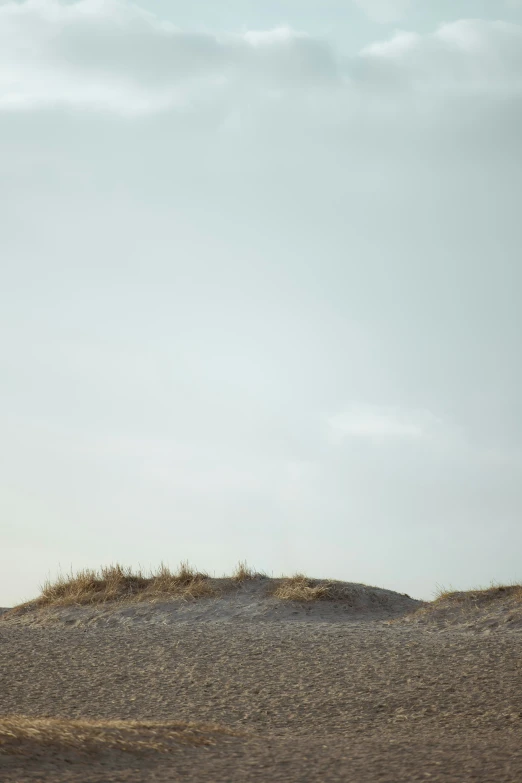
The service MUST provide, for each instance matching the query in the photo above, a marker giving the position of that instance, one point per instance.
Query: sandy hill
(251, 597)
(118, 596)
(117, 677)
(474, 610)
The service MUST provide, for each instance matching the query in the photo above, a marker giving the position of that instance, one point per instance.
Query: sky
(260, 282)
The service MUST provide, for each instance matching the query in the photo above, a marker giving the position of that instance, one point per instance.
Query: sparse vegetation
(23, 736)
(441, 591)
(481, 595)
(301, 588)
(244, 573)
(483, 608)
(116, 583)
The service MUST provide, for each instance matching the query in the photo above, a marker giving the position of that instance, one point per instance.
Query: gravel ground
(359, 701)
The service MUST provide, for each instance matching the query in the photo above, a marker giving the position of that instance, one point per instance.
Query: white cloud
(396, 47)
(468, 55)
(376, 423)
(116, 57)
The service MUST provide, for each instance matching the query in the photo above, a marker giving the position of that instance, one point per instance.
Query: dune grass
(20, 735)
(121, 583)
(116, 583)
(301, 588)
(244, 573)
(479, 595)
(482, 607)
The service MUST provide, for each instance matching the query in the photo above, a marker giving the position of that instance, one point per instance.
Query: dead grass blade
(26, 736)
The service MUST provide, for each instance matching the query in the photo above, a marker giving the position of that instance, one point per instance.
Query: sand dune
(251, 600)
(485, 610)
(360, 685)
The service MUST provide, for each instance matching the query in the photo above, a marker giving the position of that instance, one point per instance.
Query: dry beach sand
(357, 685)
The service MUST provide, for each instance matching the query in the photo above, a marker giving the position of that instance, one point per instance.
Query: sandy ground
(322, 695)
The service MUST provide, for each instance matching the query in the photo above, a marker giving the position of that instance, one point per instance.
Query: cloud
(384, 11)
(116, 57)
(377, 423)
(469, 55)
(351, 234)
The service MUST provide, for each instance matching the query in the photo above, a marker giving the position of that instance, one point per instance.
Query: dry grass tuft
(301, 588)
(442, 592)
(117, 583)
(482, 595)
(243, 572)
(481, 609)
(30, 736)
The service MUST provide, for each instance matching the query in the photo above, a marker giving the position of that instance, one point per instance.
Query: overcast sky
(260, 288)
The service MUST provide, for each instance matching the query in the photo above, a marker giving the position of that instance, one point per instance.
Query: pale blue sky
(260, 289)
